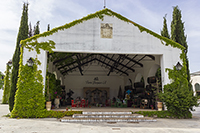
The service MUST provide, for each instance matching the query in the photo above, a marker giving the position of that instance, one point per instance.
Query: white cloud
(41, 9)
(148, 13)
(10, 12)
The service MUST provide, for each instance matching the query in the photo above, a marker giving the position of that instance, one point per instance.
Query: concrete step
(144, 119)
(113, 112)
(107, 116)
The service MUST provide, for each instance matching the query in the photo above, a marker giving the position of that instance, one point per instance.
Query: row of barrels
(139, 86)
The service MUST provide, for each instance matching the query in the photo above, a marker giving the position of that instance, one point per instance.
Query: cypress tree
(6, 92)
(36, 28)
(48, 27)
(1, 80)
(178, 35)
(22, 34)
(30, 32)
(164, 31)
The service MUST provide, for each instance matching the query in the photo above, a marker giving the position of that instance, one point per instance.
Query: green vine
(49, 45)
(54, 87)
(29, 98)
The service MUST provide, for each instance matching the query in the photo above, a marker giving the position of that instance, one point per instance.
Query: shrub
(29, 98)
(178, 95)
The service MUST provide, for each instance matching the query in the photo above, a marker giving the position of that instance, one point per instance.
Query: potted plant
(159, 105)
(68, 108)
(151, 106)
(134, 106)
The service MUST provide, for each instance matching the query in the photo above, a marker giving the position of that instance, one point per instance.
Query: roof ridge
(100, 14)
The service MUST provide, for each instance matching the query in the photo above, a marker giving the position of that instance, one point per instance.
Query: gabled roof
(195, 73)
(100, 14)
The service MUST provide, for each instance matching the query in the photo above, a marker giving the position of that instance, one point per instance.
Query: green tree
(48, 27)
(178, 34)
(1, 80)
(36, 28)
(30, 32)
(178, 95)
(164, 31)
(22, 34)
(6, 92)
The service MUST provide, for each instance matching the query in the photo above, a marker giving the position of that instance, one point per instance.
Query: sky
(148, 13)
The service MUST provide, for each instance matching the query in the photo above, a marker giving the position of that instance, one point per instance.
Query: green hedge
(50, 114)
(60, 114)
(160, 114)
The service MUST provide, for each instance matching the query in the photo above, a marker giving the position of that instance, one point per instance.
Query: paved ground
(52, 125)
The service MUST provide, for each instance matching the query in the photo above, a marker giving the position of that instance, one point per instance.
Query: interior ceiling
(121, 64)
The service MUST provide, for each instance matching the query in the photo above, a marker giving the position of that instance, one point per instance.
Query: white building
(110, 50)
(195, 80)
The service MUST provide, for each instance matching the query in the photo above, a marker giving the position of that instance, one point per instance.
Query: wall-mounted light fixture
(30, 62)
(178, 66)
(9, 63)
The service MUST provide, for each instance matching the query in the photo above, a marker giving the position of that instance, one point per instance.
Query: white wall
(194, 80)
(127, 39)
(76, 84)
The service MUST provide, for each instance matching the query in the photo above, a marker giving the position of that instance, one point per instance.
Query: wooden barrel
(148, 87)
(151, 80)
(159, 104)
(139, 85)
(139, 90)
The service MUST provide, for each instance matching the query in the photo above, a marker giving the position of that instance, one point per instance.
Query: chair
(73, 104)
(119, 104)
(125, 103)
(108, 102)
(113, 104)
(82, 104)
